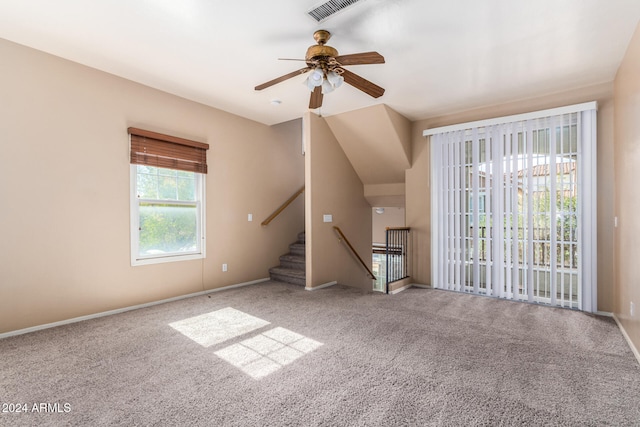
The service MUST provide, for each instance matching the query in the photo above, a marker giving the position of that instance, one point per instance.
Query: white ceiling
(442, 56)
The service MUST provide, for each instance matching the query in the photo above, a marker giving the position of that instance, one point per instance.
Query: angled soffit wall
(377, 142)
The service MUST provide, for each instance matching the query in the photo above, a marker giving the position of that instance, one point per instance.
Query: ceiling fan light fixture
(327, 87)
(335, 79)
(316, 77)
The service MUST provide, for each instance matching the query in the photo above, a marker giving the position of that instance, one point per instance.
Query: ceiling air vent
(325, 10)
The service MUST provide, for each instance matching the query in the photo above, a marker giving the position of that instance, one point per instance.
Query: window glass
(167, 211)
(166, 228)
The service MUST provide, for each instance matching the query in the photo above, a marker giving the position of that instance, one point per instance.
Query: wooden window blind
(165, 151)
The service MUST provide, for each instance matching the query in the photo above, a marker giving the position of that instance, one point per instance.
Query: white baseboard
(604, 313)
(626, 337)
(410, 285)
(124, 309)
(324, 285)
(395, 291)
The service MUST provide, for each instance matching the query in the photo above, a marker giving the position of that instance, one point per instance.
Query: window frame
(200, 192)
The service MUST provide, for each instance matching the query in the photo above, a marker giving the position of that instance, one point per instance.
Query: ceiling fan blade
(282, 78)
(360, 58)
(363, 84)
(316, 98)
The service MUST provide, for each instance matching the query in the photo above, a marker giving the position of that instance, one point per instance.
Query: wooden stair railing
(397, 254)
(283, 207)
(343, 237)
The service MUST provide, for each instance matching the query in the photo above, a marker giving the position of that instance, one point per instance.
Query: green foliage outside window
(166, 227)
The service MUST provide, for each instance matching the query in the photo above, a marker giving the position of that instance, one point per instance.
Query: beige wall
(333, 187)
(392, 217)
(377, 142)
(385, 194)
(627, 196)
(418, 189)
(418, 208)
(64, 186)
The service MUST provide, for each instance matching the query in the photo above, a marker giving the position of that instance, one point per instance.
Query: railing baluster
(387, 261)
(397, 254)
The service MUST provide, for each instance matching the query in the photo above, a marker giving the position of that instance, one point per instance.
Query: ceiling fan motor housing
(319, 52)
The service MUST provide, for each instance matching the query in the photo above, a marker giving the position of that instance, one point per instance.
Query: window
(513, 207)
(167, 198)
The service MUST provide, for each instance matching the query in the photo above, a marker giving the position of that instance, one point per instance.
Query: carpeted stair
(292, 265)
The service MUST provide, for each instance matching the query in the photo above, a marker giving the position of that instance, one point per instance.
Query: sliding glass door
(513, 208)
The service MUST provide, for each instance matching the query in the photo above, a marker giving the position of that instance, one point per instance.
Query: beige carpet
(274, 354)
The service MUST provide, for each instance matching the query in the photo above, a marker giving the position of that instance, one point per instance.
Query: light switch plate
(327, 218)
(250, 217)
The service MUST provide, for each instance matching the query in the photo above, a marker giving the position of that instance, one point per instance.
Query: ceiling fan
(328, 72)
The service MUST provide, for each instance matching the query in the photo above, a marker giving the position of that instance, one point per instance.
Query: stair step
(288, 275)
(296, 262)
(292, 268)
(297, 248)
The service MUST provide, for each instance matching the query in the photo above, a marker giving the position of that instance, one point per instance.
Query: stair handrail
(282, 207)
(343, 237)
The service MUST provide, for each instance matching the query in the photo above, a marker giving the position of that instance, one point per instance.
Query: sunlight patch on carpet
(218, 326)
(264, 354)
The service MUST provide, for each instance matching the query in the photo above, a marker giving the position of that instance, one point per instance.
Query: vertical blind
(165, 151)
(513, 207)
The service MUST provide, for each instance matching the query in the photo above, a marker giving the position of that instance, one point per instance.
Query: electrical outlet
(250, 217)
(224, 267)
(632, 309)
